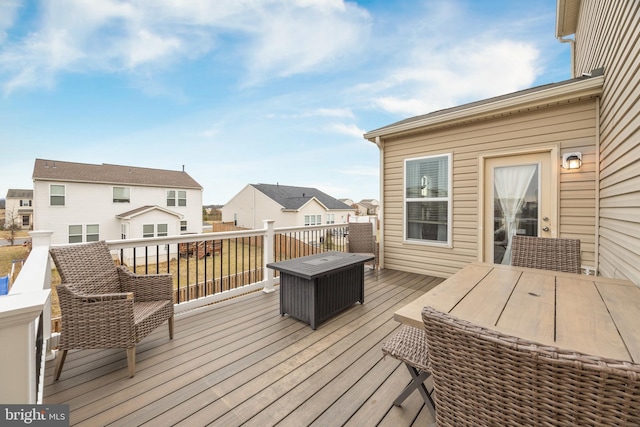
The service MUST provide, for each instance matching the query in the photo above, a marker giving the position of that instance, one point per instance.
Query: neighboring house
(368, 207)
(458, 182)
(19, 208)
(86, 202)
(347, 202)
(288, 206)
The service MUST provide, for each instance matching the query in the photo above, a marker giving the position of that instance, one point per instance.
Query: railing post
(20, 312)
(42, 239)
(268, 247)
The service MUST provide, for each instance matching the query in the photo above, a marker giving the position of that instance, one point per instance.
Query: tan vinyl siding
(608, 36)
(570, 127)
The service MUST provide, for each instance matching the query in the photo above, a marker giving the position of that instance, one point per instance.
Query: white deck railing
(25, 325)
(25, 313)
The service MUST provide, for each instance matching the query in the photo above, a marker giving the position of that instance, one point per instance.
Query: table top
(589, 314)
(312, 266)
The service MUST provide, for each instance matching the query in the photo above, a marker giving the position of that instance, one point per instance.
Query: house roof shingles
(19, 194)
(55, 170)
(293, 198)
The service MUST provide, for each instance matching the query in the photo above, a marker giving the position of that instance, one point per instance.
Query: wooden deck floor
(241, 363)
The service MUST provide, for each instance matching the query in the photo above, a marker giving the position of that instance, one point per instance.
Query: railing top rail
(309, 227)
(184, 238)
(31, 288)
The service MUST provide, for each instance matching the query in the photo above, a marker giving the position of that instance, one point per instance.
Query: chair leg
(59, 363)
(131, 360)
(171, 327)
(417, 382)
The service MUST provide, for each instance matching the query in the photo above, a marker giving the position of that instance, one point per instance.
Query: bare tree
(11, 226)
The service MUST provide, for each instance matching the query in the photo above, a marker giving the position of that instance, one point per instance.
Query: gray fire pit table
(316, 287)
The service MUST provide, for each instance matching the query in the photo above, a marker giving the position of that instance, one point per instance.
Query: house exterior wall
(316, 208)
(250, 207)
(14, 212)
(91, 203)
(569, 127)
(607, 35)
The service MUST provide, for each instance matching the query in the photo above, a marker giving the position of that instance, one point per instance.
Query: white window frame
(177, 198)
(182, 197)
(312, 220)
(162, 230)
(171, 197)
(426, 198)
(63, 195)
(75, 237)
(92, 235)
(183, 225)
(126, 196)
(331, 218)
(147, 234)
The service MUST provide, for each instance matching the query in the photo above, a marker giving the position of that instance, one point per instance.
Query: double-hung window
(93, 232)
(162, 230)
(56, 195)
(427, 199)
(148, 230)
(75, 234)
(121, 195)
(155, 230)
(176, 198)
(331, 218)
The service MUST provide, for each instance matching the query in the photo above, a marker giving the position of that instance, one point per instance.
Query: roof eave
(566, 17)
(86, 181)
(579, 89)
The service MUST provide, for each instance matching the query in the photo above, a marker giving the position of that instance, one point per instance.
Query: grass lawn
(8, 254)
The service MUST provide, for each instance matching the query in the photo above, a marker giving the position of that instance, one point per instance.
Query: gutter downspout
(572, 54)
(381, 208)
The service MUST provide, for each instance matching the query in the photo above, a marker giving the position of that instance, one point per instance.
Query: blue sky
(256, 91)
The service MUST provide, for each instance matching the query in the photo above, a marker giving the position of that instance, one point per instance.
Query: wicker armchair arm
(73, 291)
(95, 320)
(147, 287)
(89, 298)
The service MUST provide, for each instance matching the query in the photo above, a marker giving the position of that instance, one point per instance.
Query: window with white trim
(93, 233)
(75, 234)
(183, 225)
(176, 198)
(427, 199)
(162, 230)
(331, 218)
(148, 230)
(56, 195)
(313, 220)
(121, 194)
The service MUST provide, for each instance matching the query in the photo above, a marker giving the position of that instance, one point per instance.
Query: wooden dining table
(589, 314)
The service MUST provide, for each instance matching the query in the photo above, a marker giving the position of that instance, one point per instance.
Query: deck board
(241, 363)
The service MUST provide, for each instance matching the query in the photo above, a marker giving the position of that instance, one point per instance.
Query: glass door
(516, 202)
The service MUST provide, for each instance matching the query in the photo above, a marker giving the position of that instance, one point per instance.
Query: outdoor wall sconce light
(571, 160)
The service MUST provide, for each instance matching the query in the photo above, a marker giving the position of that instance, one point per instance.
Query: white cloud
(272, 37)
(318, 112)
(8, 12)
(351, 130)
(292, 39)
(445, 56)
